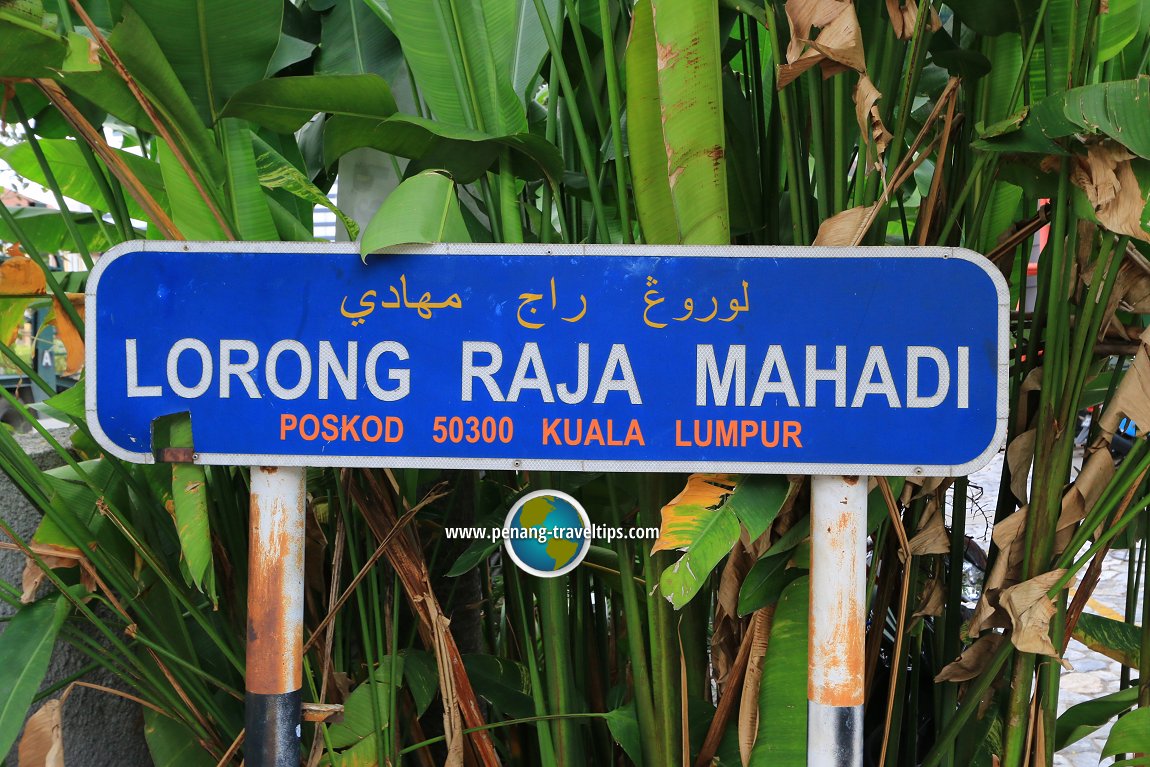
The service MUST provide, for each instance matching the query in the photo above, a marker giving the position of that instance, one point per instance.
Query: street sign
(638, 358)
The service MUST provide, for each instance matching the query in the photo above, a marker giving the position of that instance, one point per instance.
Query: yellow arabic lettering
(358, 318)
(689, 305)
(528, 298)
(578, 316)
(735, 307)
(652, 302)
(711, 316)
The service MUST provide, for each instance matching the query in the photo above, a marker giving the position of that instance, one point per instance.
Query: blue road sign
(780, 360)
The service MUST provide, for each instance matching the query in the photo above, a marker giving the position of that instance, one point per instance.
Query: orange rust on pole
(836, 664)
(275, 584)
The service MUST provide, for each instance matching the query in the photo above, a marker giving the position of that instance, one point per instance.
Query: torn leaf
(1030, 611)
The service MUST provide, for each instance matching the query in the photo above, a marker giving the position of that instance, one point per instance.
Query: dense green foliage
(753, 122)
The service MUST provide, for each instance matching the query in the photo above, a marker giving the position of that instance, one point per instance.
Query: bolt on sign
(644, 358)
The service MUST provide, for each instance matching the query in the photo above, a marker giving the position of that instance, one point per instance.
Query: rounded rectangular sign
(637, 358)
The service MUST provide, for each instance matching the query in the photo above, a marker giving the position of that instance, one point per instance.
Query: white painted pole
(274, 677)
(837, 622)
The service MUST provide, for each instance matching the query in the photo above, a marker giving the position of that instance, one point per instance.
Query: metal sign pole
(275, 617)
(837, 622)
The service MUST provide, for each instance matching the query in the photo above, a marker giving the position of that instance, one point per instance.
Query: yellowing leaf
(69, 334)
(685, 514)
(697, 522)
(20, 276)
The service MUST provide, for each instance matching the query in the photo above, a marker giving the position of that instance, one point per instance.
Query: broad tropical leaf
(421, 209)
(698, 522)
(215, 47)
(26, 646)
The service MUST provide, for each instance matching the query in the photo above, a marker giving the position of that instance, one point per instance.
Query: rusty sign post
(837, 622)
(274, 678)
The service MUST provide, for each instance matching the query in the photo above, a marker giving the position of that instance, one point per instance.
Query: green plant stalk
(393, 701)
(506, 723)
(376, 592)
(909, 82)
(767, 150)
(975, 691)
(960, 200)
(585, 64)
(614, 104)
(160, 686)
(952, 618)
(52, 183)
(587, 157)
(637, 649)
(1049, 675)
(1051, 458)
(1090, 320)
(822, 191)
(1134, 567)
(840, 148)
(121, 578)
(510, 217)
(661, 627)
(115, 204)
(514, 585)
(555, 624)
(792, 151)
(551, 132)
(367, 645)
(555, 627)
(1022, 85)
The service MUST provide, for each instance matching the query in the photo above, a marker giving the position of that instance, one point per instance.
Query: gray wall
(100, 730)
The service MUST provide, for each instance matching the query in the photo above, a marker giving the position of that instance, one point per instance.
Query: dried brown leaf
(932, 600)
(802, 15)
(1030, 611)
(20, 276)
(43, 742)
(931, 536)
(727, 634)
(749, 700)
(846, 228)
(1082, 495)
(866, 98)
(903, 18)
(1107, 177)
(841, 41)
(1004, 573)
(837, 47)
(1019, 457)
(52, 556)
(1132, 397)
(973, 660)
